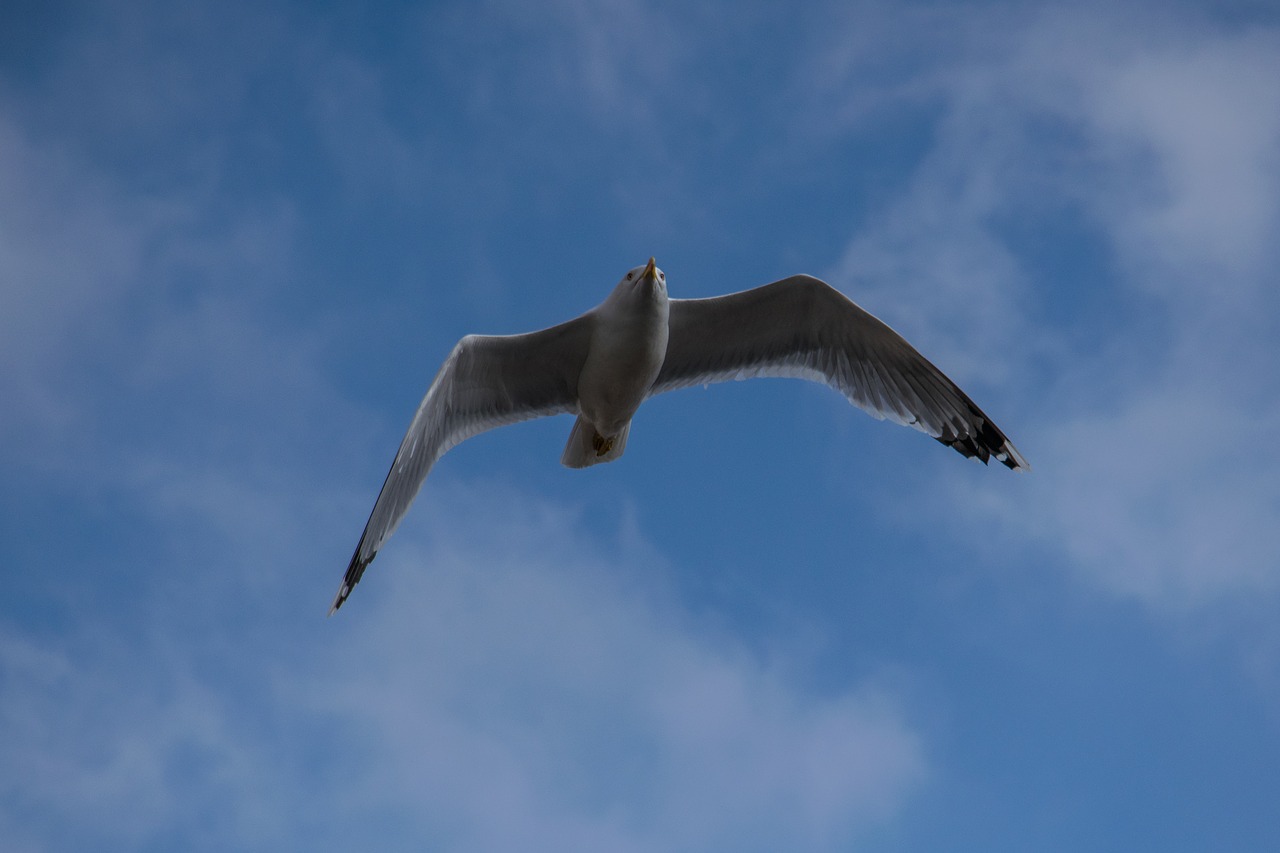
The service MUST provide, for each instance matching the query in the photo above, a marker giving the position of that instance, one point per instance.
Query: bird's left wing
(801, 327)
(486, 382)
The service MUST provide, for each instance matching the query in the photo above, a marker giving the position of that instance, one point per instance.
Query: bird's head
(646, 276)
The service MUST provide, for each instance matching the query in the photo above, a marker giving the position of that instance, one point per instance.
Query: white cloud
(110, 745)
(524, 690)
(1164, 500)
(65, 257)
(1167, 492)
(117, 304)
(1154, 473)
(517, 685)
(1207, 116)
(932, 267)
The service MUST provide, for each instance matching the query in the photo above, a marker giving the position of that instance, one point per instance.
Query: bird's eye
(628, 276)
(662, 276)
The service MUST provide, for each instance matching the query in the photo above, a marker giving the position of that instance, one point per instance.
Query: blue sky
(237, 240)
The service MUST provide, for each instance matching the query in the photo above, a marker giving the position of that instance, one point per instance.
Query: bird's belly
(616, 379)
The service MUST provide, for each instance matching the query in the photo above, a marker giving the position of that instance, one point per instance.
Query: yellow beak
(649, 270)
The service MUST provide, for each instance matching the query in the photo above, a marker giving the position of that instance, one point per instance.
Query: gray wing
(803, 328)
(486, 382)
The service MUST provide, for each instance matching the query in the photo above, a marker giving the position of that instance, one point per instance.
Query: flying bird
(637, 343)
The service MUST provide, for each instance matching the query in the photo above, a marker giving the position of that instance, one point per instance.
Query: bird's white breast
(628, 345)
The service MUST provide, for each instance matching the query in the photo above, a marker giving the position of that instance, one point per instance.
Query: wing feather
(801, 327)
(486, 382)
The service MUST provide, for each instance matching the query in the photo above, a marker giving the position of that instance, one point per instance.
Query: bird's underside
(798, 327)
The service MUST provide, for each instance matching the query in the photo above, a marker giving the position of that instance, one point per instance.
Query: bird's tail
(586, 447)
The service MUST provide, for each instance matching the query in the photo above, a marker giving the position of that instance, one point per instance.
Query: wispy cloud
(191, 429)
(612, 56)
(1153, 466)
(531, 674)
(515, 683)
(1202, 113)
(1163, 490)
(69, 255)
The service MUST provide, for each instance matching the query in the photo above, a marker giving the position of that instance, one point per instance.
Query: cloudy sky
(238, 239)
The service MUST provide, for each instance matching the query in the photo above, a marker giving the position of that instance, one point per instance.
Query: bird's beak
(650, 270)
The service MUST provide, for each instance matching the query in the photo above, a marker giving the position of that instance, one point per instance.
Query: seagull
(638, 343)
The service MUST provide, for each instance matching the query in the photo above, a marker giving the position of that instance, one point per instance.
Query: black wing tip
(355, 571)
(343, 592)
(988, 442)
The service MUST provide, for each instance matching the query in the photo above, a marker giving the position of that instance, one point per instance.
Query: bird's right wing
(486, 382)
(803, 328)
